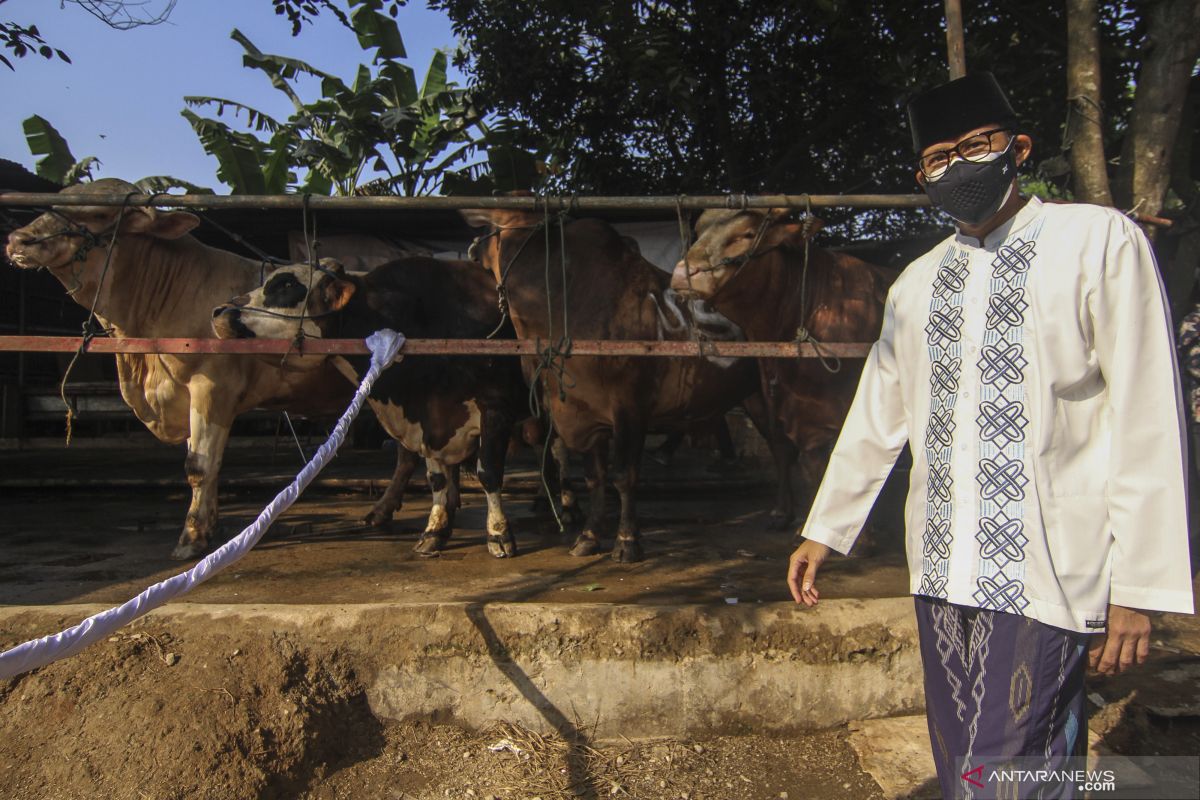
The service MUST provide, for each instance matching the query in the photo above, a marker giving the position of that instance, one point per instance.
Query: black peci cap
(948, 111)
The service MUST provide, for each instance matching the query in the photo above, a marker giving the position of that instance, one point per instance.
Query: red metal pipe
(425, 347)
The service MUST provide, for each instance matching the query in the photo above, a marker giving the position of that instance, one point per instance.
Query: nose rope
(309, 244)
(90, 330)
(554, 355)
(831, 364)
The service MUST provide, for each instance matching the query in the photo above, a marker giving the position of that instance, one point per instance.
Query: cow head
(728, 241)
(501, 225)
(73, 238)
(294, 299)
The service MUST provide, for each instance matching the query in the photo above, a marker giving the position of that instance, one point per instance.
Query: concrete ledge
(618, 670)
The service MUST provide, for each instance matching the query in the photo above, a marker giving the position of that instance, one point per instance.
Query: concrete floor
(97, 525)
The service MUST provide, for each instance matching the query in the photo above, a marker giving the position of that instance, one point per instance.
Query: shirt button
(966, 394)
(970, 348)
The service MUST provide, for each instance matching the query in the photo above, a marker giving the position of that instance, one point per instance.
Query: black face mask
(972, 193)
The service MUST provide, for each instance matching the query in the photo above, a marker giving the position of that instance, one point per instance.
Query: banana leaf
(44, 140)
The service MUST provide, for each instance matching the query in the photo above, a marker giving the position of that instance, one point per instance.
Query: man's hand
(1125, 643)
(802, 571)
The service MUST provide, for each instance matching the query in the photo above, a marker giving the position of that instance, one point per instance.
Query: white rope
(384, 345)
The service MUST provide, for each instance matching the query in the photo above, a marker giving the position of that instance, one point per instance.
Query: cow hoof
(379, 521)
(502, 546)
(585, 545)
(627, 551)
(431, 543)
(779, 521)
(186, 551)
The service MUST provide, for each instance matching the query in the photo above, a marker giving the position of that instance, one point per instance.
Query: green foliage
(381, 122)
(676, 96)
(56, 162)
(59, 165)
(23, 40)
(1043, 188)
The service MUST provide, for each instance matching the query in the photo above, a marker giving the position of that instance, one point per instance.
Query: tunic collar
(1028, 213)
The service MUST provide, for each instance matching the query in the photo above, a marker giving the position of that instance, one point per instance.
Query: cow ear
(337, 293)
(793, 233)
(159, 224)
(478, 217)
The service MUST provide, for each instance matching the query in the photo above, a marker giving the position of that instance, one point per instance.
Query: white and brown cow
(448, 410)
(162, 282)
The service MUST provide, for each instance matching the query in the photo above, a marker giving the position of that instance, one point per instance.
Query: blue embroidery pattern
(943, 335)
(1002, 425)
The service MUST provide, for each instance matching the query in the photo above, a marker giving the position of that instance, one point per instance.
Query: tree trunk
(1185, 260)
(1085, 120)
(956, 55)
(1174, 42)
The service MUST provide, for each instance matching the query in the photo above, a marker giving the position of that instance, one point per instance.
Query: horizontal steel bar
(428, 347)
(554, 203)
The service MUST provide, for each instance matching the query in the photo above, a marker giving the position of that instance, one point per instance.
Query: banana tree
(381, 133)
(59, 165)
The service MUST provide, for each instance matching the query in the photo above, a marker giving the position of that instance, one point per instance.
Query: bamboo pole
(553, 203)
(427, 347)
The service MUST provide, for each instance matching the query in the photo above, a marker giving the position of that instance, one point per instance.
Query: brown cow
(161, 282)
(610, 292)
(750, 266)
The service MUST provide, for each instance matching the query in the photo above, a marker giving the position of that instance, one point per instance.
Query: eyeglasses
(974, 148)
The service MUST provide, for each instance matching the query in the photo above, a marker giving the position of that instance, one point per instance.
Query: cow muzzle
(227, 324)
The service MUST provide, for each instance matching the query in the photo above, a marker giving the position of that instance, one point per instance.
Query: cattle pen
(547, 204)
(333, 647)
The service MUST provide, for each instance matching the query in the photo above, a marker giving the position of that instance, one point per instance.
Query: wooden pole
(566, 203)
(956, 54)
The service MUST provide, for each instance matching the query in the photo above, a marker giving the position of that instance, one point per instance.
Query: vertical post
(22, 304)
(955, 53)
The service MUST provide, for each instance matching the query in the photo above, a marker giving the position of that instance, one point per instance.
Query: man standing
(1028, 361)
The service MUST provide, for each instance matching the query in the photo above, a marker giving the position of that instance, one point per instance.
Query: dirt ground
(144, 716)
(161, 713)
(155, 713)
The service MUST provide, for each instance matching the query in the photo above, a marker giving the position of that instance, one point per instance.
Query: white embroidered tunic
(1035, 380)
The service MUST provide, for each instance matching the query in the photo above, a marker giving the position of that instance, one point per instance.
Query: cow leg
(441, 516)
(534, 435)
(493, 446)
(628, 441)
(571, 513)
(588, 541)
(393, 498)
(209, 434)
(783, 455)
(813, 462)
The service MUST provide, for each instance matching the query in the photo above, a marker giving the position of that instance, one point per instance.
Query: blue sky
(120, 98)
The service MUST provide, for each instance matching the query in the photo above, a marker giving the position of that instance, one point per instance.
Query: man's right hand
(802, 571)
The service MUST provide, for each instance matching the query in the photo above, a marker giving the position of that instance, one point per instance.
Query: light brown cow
(750, 266)
(161, 282)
